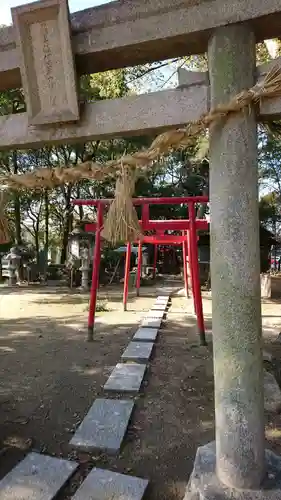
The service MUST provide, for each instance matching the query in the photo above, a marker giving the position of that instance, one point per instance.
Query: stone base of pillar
(204, 484)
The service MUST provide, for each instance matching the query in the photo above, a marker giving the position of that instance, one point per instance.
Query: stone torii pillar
(236, 466)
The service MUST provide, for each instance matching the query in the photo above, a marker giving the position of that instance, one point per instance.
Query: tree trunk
(46, 215)
(80, 207)
(36, 238)
(46, 236)
(17, 205)
(67, 225)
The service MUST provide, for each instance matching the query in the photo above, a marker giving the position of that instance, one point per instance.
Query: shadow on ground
(50, 376)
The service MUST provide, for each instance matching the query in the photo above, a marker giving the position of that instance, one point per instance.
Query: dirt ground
(50, 376)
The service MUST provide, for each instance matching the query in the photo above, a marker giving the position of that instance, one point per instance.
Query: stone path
(163, 298)
(161, 302)
(159, 307)
(151, 322)
(104, 426)
(146, 334)
(126, 377)
(139, 352)
(39, 477)
(104, 485)
(155, 314)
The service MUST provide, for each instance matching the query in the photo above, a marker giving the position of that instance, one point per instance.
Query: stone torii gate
(37, 53)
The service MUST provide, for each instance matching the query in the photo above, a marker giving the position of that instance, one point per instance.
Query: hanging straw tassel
(4, 225)
(122, 223)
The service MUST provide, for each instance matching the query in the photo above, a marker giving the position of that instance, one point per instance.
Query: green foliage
(107, 85)
(102, 307)
(270, 163)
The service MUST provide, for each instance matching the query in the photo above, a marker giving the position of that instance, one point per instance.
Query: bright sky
(74, 5)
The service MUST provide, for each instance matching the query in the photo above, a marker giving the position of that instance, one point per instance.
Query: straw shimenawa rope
(122, 220)
(141, 160)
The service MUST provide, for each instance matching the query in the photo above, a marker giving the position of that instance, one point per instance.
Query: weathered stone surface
(138, 351)
(186, 77)
(159, 307)
(151, 323)
(265, 286)
(154, 313)
(126, 34)
(162, 300)
(37, 477)
(267, 356)
(126, 377)
(235, 257)
(146, 334)
(167, 291)
(104, 426)
(204, 484)
(46, 61)
(104, 485)
(272, 393)
(156, 111)
(101, 119)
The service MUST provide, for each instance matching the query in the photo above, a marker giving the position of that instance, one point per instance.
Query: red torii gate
(188, 240)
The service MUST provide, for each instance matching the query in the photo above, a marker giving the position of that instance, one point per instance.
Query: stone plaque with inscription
(47, 67)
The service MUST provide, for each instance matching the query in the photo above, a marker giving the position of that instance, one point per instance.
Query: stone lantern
(79, 241)
(85, 268)
(13, 258)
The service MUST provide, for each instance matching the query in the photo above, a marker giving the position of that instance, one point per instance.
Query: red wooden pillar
(138, 280)
(188, 242)
(95, 274)
(155, 260)
(184, 259)
(126, 277)
(195, 274)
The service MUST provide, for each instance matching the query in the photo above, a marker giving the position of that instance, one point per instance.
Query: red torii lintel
(162, 225)
(170, 200)
(188, 240)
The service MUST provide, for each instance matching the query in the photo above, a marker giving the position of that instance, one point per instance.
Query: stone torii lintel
(268, 109)
(128, 116)
(121, 34)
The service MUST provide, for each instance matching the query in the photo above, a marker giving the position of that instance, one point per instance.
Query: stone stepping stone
(138, 351)
(155, 314)
(161, 301)
(104, 426)
(148, 334)
(37, 477)
(125, 377)
(166, 292)
(159, 307)
(163, 298)
(151, 322)
(104, 485)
